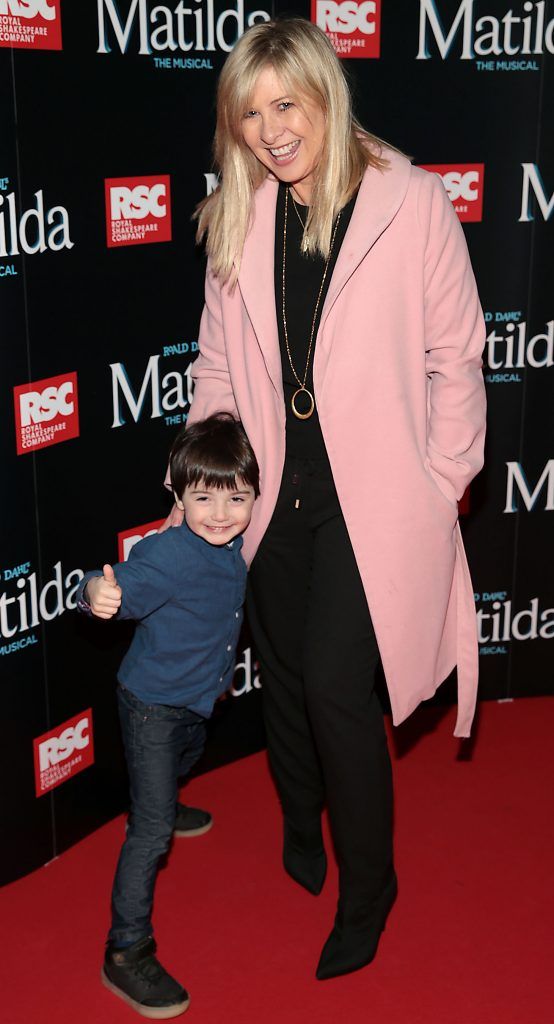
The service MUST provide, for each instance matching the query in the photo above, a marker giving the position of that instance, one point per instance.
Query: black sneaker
(135, 975)
(191, 821)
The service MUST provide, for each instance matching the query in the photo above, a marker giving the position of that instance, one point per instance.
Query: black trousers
(318, 653)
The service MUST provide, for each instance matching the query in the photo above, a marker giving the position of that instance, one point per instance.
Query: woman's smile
(285, 154)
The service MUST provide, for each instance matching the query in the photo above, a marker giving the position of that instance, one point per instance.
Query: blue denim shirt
(186, 596)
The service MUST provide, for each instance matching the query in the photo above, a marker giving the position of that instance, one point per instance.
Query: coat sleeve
(213, 390)
(454, 341)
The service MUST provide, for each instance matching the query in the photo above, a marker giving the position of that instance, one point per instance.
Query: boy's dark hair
(215, 452)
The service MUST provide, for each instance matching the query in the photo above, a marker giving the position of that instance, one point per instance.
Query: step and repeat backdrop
(106, 122)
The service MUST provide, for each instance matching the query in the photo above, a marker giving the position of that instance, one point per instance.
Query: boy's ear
(178, 502)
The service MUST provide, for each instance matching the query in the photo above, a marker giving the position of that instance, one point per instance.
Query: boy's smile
(217, 514)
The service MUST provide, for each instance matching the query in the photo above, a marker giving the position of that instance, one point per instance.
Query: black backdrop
(464, 87)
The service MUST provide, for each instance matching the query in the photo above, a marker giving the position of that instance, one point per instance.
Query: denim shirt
(186, 597)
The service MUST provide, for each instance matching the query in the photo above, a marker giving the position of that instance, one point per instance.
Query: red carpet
(469, 940)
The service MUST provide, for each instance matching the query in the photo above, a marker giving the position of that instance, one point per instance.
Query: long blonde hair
(304, 59)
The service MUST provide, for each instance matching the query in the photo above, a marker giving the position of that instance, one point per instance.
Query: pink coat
(400, 395)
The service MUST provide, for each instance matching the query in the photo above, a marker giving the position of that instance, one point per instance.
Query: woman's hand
(175, 518)
(103, 594)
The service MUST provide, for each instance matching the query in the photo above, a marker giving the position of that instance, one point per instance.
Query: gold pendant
(302, 415)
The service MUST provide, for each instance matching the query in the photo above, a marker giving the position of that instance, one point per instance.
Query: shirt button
(236, 615)
(229, 648)
(221, 679)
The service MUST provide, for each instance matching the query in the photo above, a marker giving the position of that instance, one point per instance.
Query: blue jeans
(161, 743)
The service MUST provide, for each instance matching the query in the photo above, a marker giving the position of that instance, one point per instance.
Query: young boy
(185, 590)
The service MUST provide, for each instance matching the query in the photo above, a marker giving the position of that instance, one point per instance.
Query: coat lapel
(379, 199)
(256, 278)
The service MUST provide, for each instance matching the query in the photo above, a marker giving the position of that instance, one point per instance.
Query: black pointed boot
(354, 939)
(304, 856)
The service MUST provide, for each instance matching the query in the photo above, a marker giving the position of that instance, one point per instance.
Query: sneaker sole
(189, 833)
(152, 1012)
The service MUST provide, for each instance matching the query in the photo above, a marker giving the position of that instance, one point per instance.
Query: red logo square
(463, 504)
(46, 412)
(31, 24)
(63, 752)
(128, 538)
(353, 28)
(464, 184)
(138, 210)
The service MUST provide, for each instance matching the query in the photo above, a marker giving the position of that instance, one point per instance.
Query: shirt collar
(211, 551)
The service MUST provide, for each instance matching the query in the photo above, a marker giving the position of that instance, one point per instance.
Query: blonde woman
(342, 326)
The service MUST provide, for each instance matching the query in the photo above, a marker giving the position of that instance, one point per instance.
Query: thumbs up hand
(103, 594)
(109, 575)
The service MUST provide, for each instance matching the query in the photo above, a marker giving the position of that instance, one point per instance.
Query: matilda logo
(138, 210)
(168, 393)
(513, 349)
(128, 538)
(26, 603)
(533, 185)
(353, 28)
(498, 623)
(46, 412)
(212, 181)
(35, 230)
(516, 483)
(63, 752)
(31, 24)
(464, 185)
(158, 29)
(520, 34)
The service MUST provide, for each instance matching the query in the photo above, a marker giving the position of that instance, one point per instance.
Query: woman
(342, 325)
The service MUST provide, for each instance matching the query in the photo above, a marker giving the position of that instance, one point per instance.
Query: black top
(302, 284)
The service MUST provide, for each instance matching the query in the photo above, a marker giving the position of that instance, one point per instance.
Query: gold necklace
(297, 211)
(302, 383)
